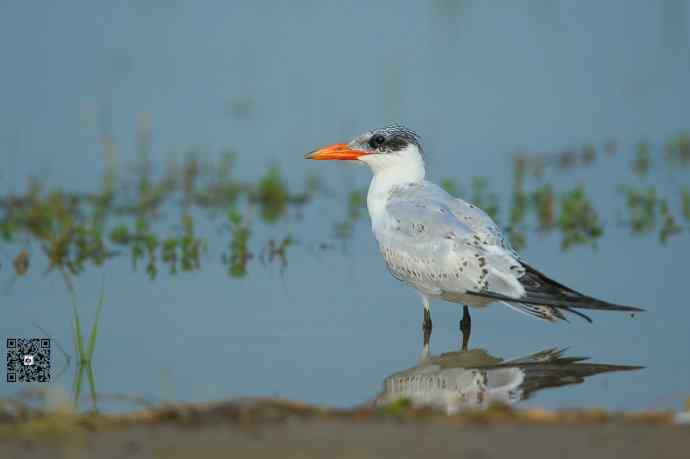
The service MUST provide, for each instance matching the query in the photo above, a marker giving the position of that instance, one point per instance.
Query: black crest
(393, 138)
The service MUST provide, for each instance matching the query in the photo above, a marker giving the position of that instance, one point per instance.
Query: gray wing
(448, 247)
(427, 241)
(468, 214)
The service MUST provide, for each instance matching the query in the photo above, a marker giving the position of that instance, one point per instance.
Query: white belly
(433, 277)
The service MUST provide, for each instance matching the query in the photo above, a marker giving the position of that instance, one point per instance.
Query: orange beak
(336, 151)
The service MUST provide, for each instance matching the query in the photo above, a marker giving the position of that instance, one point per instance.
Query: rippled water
(478, 81)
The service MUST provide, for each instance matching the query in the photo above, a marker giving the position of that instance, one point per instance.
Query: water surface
(478, 81)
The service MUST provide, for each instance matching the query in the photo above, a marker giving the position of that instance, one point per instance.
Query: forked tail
(544, 298)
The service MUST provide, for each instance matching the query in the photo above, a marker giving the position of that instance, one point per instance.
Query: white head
(389, 150)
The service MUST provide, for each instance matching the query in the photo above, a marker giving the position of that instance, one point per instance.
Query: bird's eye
(376, 141)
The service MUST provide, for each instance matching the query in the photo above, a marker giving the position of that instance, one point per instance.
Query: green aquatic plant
(239, 251)
(544, 200)
(130, 213)
(76, 229)
(450, 186)
(395, 408)
(190, 245)
(7, 230)
(144, 242)
(519, 206)
(642, 207)
(356, 208)
(578, 221)
(669, 227)
(678, 149)
(21, 263)
(120, 235)
(85, 350)
(169, 253)
(272, 195)
(190, 176)
(357, 204)
(277, 251)
(642, 161)
(221, 190)
(685, 198)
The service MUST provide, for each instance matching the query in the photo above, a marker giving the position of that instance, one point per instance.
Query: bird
(473, 378)
(444, 247)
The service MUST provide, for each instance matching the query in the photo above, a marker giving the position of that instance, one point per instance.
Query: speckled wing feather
(474, 218)
(446, 247)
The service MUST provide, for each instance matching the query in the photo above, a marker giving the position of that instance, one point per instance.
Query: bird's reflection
(474, 378)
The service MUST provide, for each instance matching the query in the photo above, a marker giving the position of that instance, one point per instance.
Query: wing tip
(585, 302)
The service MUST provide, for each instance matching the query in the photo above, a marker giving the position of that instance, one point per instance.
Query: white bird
(475, 379)
(443, 246)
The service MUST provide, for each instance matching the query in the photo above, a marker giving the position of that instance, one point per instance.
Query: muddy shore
(286, 429)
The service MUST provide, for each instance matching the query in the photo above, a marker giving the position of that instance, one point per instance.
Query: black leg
(426, 325)
(465, 327)
(427, 336)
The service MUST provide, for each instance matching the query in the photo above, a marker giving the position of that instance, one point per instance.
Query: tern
(443, 246)
(453, 381)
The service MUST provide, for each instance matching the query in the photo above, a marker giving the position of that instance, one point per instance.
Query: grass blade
(92, 386)
(94, 328)
(78, 338)
(77, 384)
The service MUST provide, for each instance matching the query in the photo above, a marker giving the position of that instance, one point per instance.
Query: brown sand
(284, 429)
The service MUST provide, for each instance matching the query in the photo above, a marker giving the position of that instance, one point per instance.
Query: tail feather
(578, 313)
(538, 312)
(580, 303)
(544, 312)
(542, 292)
(539, 287)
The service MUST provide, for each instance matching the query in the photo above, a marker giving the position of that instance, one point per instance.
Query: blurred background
(90, 85)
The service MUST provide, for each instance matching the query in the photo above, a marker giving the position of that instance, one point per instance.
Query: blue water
(477, 80)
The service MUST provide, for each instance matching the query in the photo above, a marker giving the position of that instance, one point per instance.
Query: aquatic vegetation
(544, 200)
(272, 195)
(78, 229)
(450, 186)
(642, 161)
(396, 408)
(84, 350)
(21, 263)
(578, 220)
(144, 242)
(185, 248)
(685, 196)
(239, 252)
(190, 245)
(642, 205)
(277, 251)
(519, 206)
(131, 213)
(356, 209)
(669, 227)
(678, 149)
(538, 165)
